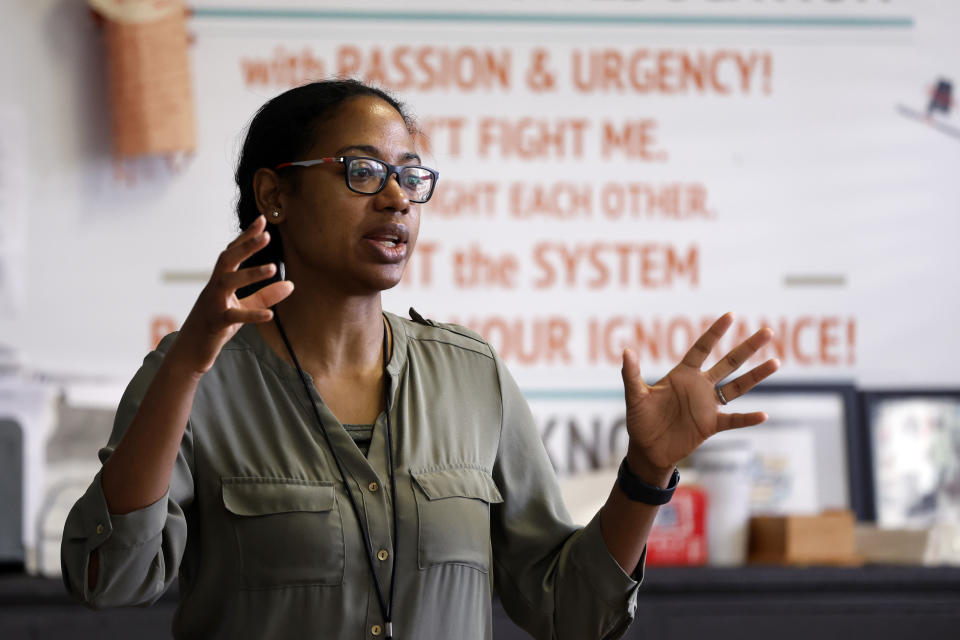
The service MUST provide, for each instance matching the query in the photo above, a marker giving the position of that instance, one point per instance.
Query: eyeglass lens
(366, 175)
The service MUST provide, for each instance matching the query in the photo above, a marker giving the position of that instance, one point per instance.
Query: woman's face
(360, 243)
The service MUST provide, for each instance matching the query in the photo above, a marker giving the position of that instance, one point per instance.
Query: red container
(679, 535)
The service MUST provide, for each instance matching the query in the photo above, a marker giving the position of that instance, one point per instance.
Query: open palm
(668, 420)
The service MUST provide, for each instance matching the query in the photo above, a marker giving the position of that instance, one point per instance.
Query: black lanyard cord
(386, 606)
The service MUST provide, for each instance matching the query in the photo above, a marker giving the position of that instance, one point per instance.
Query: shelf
(767, 579)
(675, 603)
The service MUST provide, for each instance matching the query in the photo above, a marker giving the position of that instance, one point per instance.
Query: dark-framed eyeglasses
(369, 175)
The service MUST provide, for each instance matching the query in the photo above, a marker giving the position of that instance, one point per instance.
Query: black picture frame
(858, 471)
(869, 402)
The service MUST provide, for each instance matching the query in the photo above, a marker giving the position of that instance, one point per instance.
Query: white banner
(612, 174)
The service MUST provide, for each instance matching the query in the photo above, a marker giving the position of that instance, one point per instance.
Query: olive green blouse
(258, 529)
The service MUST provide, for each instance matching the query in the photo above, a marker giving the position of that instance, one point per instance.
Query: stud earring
(275, 214)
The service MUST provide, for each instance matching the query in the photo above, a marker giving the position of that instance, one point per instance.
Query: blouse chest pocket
(453, 513)
(289, 532)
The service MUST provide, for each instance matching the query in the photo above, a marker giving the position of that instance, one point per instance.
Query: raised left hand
(670, 419)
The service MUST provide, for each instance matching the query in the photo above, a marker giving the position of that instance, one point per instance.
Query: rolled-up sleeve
(555, 580)
(138, 553)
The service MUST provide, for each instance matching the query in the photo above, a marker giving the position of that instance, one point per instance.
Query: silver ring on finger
(720, 396)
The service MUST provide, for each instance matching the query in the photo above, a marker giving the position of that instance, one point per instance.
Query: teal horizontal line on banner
(573, 394)
(619, 20)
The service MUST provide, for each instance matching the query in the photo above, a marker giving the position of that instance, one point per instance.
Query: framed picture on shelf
(914, 441)
(809, 455)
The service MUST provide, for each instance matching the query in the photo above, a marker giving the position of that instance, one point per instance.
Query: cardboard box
(826, 539)
(892, 546)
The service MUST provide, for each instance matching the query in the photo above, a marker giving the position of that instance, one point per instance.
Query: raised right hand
(218, 314)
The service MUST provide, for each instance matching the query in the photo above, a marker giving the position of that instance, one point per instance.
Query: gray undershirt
(361, 434)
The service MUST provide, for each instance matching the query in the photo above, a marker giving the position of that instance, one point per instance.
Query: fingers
(241, 249)
(240, 315)
(269, 295)
(727, 421)
(705, 343)
(633, 384)
(743, 352)
(255, 228)
(257, 307)
(739, 386)
(238, 279)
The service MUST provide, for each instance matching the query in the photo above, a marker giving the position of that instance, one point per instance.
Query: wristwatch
(639, 491)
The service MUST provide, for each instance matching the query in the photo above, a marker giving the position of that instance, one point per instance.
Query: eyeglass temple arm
(308, 163)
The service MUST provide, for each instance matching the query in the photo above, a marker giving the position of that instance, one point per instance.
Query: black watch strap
(639, 491)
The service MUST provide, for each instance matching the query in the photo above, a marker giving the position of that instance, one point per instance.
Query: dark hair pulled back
(281, 131)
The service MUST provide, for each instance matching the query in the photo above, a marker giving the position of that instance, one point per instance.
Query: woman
(342, 472)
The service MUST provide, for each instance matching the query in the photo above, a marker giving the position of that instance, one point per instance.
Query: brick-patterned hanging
(151, 98)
